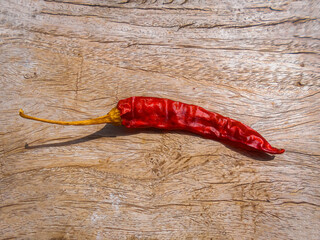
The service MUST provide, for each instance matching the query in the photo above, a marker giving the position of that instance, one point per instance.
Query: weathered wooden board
(255, 61)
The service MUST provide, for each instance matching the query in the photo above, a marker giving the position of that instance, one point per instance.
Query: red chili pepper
(150, 112)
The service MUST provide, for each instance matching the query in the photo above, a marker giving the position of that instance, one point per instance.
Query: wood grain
(254, 61)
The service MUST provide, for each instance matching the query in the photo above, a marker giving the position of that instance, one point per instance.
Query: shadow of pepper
(107, 131)
(111, 131)
(248, 152)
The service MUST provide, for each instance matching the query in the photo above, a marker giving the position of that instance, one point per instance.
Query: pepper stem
(112, 117)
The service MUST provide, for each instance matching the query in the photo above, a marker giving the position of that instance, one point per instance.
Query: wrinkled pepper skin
(150, 112)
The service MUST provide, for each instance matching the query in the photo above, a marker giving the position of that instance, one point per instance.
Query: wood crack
(112, 21)
(306, 37)
(299, 203)
(294, 20)
(124, 7)
(303, 153)
(267, 8)
(79, 75)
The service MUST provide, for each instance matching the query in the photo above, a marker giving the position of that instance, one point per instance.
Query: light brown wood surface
(255, 61)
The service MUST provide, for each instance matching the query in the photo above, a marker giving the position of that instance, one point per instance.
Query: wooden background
(255, 61)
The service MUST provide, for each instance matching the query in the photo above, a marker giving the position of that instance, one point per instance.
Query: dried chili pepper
(150, 112)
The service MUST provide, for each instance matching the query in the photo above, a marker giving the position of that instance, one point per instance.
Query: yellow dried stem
(112, 117)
